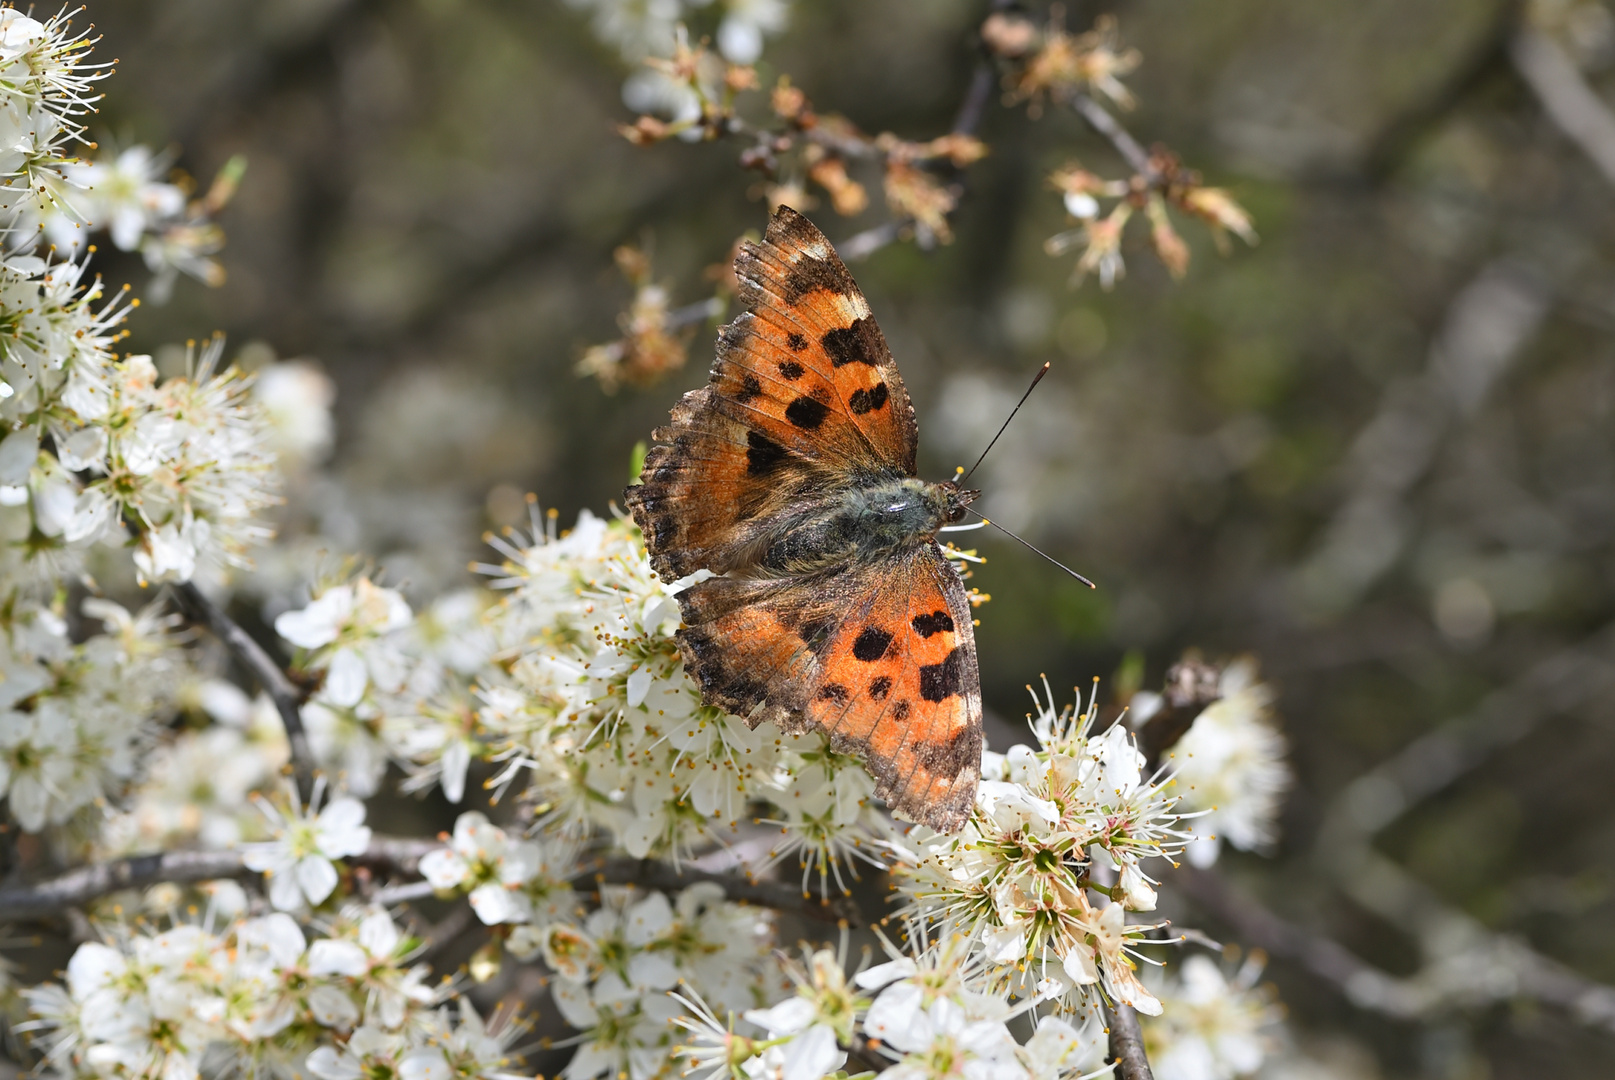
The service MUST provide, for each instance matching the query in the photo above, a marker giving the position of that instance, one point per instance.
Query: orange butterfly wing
(803, 394)
(881, 659)
(898, 687)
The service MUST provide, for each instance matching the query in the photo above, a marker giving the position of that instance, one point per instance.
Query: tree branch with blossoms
(265, 671)
(797, 151)
(631, 851)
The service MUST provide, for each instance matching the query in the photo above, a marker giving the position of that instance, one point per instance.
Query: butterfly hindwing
(898, 686)
(880, 659)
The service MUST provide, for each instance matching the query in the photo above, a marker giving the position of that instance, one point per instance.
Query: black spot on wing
(815, 634)
(938, 682)
(832, 692)
(859, 343)
(763, 455)
(807, 274)
(863, 401)
(900, 711)
(880, 686)
(797, 343)
(934, 623)
(749, 388)
(950, 758)
(871, 644)
(790, 369)
(806, 413)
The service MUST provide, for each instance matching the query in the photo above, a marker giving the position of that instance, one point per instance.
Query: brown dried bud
(1169, 246)
(960, 149)
(914, 193)
(633, 263)
(644, 131)
(738, 77)
(1009, 36)
(846, 194)
(788, 102)
(1220, 211)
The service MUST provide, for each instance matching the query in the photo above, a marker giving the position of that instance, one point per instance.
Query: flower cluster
(614, 972)
(1213, 1027)
(1052, 827)
(507, 881)
(124, 193)
(46, 80)
(74, 718)
(646, 28)
(1230, 767)
(224, 993)
(931, 1015)
(600, 710)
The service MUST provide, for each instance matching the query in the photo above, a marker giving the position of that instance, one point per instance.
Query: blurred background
(1376, 451)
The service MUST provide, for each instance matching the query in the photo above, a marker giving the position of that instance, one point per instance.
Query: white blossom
(298, 861)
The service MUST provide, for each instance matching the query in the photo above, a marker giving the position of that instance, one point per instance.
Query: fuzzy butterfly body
(790, 477)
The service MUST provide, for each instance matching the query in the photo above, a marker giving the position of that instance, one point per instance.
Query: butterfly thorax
(866, 522)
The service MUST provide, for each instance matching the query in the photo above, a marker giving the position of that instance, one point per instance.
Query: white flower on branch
(298, 861)
(346, 629)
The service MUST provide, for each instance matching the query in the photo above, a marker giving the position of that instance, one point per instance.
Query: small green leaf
(636, 462)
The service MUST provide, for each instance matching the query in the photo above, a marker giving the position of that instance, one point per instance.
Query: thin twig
(1127, 1042)
(1255, 925)
(447, 930)
(268, 674)
(1131, 150)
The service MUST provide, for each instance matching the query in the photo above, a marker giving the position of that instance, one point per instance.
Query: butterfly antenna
(988, 521)
(1042, 371)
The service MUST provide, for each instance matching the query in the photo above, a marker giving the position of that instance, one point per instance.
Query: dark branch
(268, 674)
(78, 887)
(1362, 983)
(1127, 1042)
(90, 882)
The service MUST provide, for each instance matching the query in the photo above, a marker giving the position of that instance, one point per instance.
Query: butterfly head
(957, 498)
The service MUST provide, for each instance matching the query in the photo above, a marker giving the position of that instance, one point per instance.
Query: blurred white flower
(1231, 767)
(1213, 1027)
(746, 23)
(296, 397)
(297, 862)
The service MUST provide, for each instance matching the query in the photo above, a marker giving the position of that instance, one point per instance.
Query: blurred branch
(1255, 925)
(1390, 147)
(1126, 1042)
(91, 882)
(1132, 151)
(78, 887)
(268, 674)
(1570, 103)
(1427, 765)
(1487, 325)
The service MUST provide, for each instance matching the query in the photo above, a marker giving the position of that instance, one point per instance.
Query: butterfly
(791, 478)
